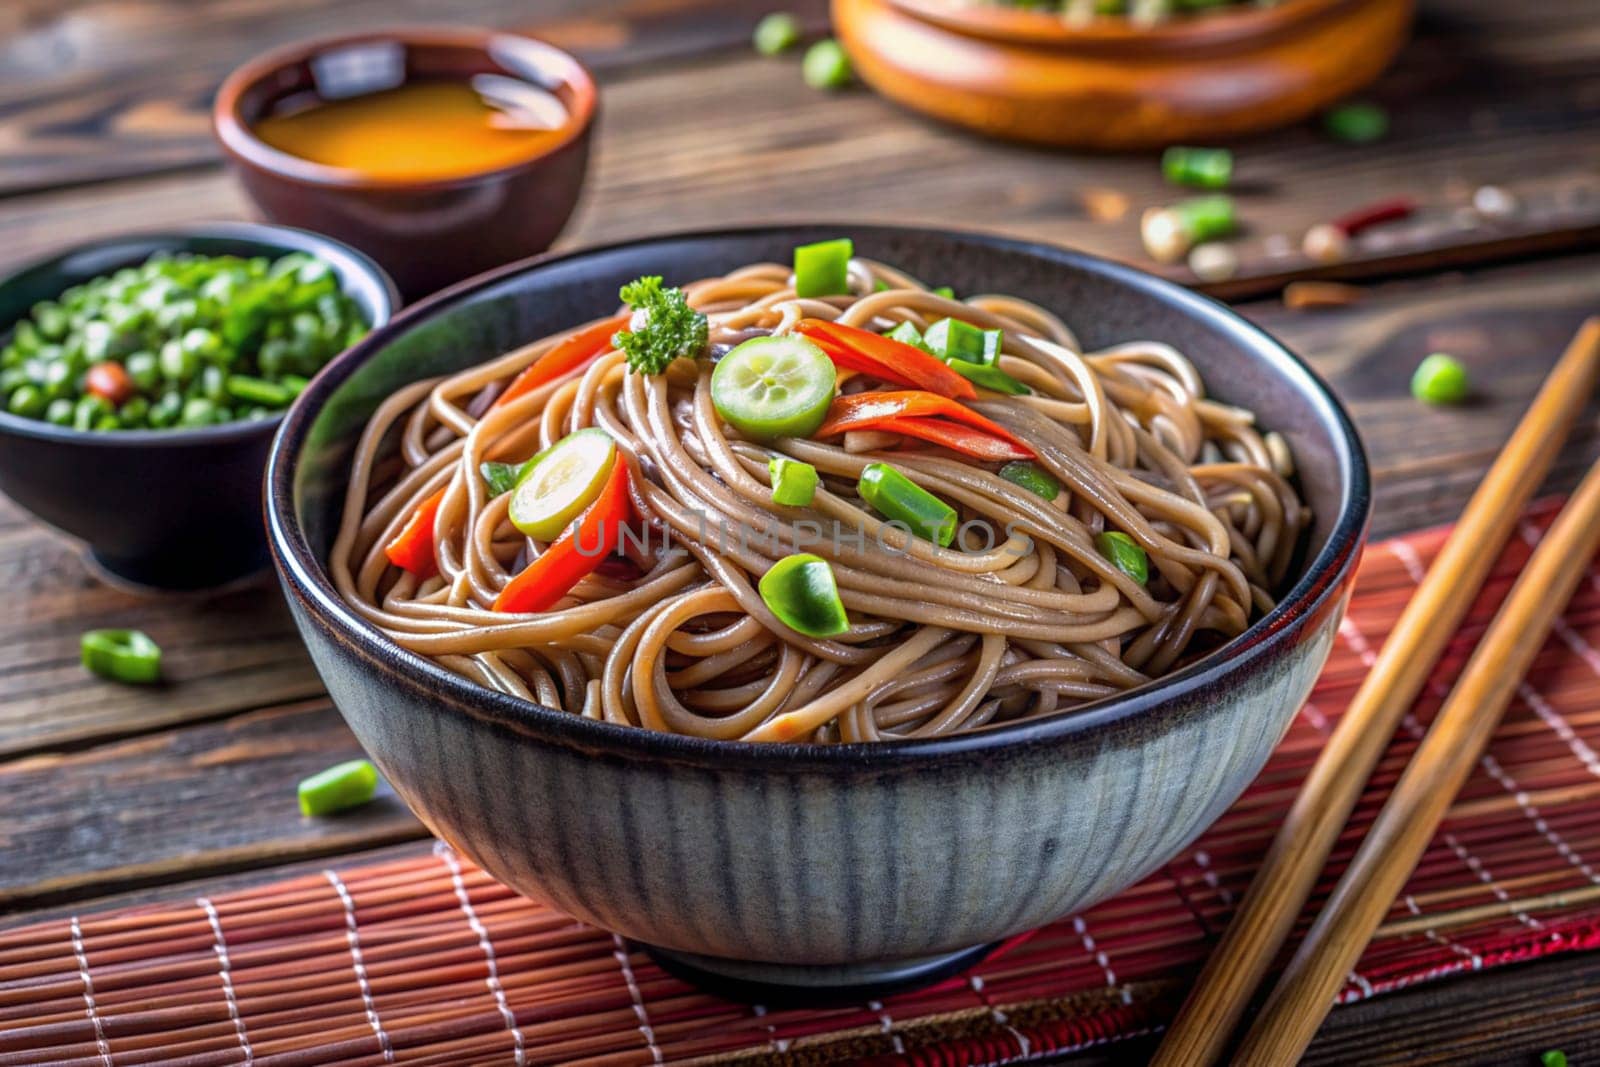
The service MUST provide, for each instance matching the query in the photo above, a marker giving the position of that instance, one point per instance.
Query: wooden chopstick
(1402, 830)
(1281, 887)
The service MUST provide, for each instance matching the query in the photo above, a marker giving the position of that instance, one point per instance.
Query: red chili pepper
(885, 358)
(412, 548)
(877, 411)
(571, 354)
(1375, 214)
(954, 436)
(577, 553)
(110, 382)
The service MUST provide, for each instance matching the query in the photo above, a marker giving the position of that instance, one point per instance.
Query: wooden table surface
(109, 794)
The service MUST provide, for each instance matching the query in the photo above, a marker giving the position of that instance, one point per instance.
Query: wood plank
(180, 804)
(738, 140)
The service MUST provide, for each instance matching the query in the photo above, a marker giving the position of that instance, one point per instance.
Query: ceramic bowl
(426, 234)
(819, 866)
(1112, 84)
(169, 509)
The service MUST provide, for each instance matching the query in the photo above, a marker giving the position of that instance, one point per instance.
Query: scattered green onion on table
(826, 66)
(340, 787)
(1199, 168)
(179, 341)
(1441, 379)
(121, 655)
(776, 33)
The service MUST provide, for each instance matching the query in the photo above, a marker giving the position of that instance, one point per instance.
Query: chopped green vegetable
(1125, 552)
(953, 339)
(1440, 379)
(561, 482)
(823, 268)
(777, 32)
(663, 328)
(989, 377)
(801, 591)
(908, 334)
(187, 324)
(342, 786)
(898, 498)
(1205, 218)
(1359, 123)
(771, 387)
(1201, 168)
(946, 292)
(121, 655)
(826, 66)
(1554, 1058)
(793, 483)
(1031, 477)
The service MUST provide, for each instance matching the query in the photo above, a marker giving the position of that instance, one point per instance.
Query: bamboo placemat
(429, 961)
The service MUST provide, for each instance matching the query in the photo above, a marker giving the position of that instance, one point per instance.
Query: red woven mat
(428, 961)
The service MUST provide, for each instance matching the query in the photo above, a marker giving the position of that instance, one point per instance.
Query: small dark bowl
(426, 234)
(169, 509)
(804, 865)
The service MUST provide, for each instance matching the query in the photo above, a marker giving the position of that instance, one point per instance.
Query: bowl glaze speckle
(168, 509)
(812, 866)
(425, 233)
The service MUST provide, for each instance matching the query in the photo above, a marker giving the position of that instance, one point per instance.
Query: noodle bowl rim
(304, 576)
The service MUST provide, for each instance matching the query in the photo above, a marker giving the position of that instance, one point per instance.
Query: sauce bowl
(425, 233)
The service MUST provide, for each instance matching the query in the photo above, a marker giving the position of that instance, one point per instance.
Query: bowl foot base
(175, 576)
(795, 985)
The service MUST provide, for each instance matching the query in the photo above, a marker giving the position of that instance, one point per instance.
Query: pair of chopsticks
(1395, 843)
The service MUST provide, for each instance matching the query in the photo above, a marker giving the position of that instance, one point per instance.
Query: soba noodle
(1023, 616)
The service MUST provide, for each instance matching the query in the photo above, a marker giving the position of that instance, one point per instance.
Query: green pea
(52, 321)
(826, 66)
(57, 378)
(108, 421)
(213, 384)
(166, 410)
(145, 370)
(87, 411)
(59, 412)
(29, 401)
(776, 33)
(13, 377)
(178, 364)
(1441, 379)
(25, 338)
(197, 411)
(134, 411)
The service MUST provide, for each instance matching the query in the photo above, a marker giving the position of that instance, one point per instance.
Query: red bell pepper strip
(952, 435)
(885, 358)
(576, 553)
(571, 354)
(412, 547)
(854, 411)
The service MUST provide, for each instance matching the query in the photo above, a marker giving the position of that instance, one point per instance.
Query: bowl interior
(346, 67)
(1105, 303)
(360, 278)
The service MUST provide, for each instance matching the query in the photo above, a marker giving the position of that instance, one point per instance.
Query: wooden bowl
(1110, 84)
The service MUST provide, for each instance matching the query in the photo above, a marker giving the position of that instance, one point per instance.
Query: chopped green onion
(953, 339)
(1206, 218)
(344, 785)
(898, 498)
(1031, 477)
(1554, 1058)
(801, 591)
(946, 292)
(257, 391)
(771, 387)
(1125, 552)
(500, 477)
(793, 483)
(1201, 168)
(908, 334)
(825, 65)
(1360, 123)
(823, 268)
(989, 377)
(776, 33)
(121, 655)
(1440, 379)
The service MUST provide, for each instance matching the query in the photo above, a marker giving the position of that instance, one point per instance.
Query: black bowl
(169, 509)
(819, 865)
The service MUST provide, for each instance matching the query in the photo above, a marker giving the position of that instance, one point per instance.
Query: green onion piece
(1200, 168)
(258, 391)
(1125, 552)
(898, 498)
(989, 377)
(776, 33)
(907, 334)
(825, 65)
(946, 292)
(121, 655)
(953, 339)
(793, 483)
(1205, 218)
(1032, 477)
(500, 477)
(801, 591)
(823, 269)
(1360, 123)
(344, 785)
(1440, 379)
(1554, 1058)
(880, 286)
